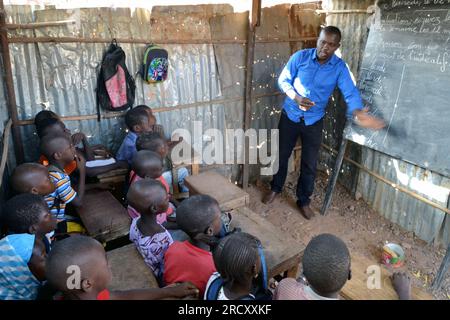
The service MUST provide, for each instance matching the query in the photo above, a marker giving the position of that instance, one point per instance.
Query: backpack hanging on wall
(155, 64)
(115, 86)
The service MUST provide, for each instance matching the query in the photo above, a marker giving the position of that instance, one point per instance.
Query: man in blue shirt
(309, 79)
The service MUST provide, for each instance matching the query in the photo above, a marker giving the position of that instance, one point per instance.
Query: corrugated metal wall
(63, 76)
(431, 225)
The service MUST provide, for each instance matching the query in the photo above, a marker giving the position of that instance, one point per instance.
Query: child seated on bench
(240, 267)
(60, 152)
(95, 275)
(152, 141)
(148, 165)
(157, 128)
(29, 213)
(137, 122)
(191, 260)
(326, 268)
(150, 199)
(22, 266)
(31, 178)
(52, 125)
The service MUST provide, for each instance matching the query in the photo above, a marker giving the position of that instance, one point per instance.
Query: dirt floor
(363, 229)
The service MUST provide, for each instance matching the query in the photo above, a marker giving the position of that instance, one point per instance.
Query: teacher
(308, 80)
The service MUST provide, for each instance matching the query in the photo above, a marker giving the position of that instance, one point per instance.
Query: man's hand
(365, 120)
(304, 103)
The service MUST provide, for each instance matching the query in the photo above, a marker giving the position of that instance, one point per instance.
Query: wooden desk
(227, 194)
(356, 288)
(104, 216)
(282, 252)
(113, 176)
(129, 270)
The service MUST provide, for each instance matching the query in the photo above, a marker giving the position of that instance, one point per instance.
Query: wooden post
(334, 176)
(10, 94)
(442, 270)
(254, 21)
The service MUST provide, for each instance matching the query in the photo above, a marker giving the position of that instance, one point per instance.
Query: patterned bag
(155, 64)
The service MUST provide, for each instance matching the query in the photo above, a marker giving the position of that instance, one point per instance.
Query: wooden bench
(103, 216)
(113, 176)
(227, 194)
(282, 252)
(356, 288)
(129, 270)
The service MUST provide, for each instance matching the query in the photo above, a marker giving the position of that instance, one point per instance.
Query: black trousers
(311, 138)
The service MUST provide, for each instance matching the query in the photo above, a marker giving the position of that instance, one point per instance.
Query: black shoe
(268, 198)
(306, 211)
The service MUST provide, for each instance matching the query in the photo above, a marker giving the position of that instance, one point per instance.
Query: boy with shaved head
(32, 178)
(95, 275)
(150, 199)
(60, 151)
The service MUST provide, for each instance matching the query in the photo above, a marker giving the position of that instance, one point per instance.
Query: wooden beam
(254, 17)
(6, 133)
(35, 25)
(146, 41)
(256, 13)
(109, 115)
(10, 94)
(388, 182)
(345, 11)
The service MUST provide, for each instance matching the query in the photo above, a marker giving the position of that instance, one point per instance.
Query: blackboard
(405, 80)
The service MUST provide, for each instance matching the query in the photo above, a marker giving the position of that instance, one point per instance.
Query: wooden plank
(227, 194)
(103, 216)
(195, 169)
(256, 13)
(15, 39)
(113, 173)
(10, 94)
(133, 274)
(116, 179)
(356, 288)
(282, 252)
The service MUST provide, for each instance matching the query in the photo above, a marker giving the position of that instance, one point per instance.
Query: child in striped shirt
(60, 151)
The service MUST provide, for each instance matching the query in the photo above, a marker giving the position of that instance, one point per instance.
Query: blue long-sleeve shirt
(304, 74)
(127, 149)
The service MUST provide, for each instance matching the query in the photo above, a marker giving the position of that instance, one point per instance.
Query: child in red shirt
(191, 260)
(95, 275)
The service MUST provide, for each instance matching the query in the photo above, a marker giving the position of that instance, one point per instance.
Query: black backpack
(115, 86)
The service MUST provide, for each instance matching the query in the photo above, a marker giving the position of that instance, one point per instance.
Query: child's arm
(178, 291)
(81, 165)
(88, 151)
(172, 144)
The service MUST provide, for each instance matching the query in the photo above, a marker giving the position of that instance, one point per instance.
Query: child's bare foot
(402, 285)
